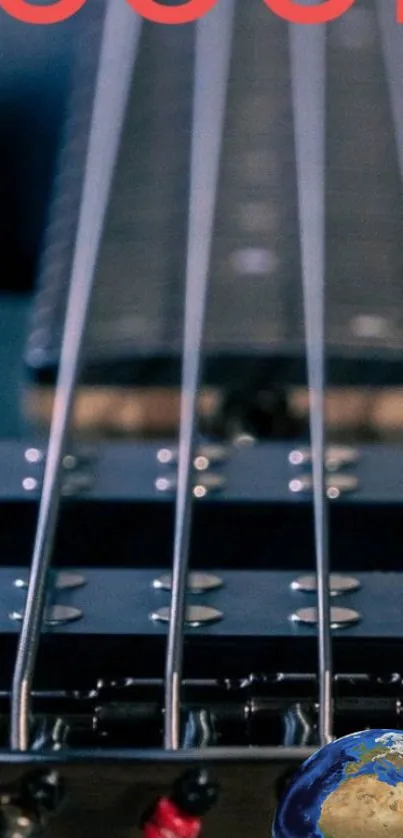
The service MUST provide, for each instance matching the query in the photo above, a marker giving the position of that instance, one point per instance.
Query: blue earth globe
(352, 788)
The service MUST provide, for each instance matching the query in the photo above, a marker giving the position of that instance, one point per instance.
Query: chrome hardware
(243, 440)
(54, 616)
(77, 482)
(299, 727)
(30, 484)
(198, 583)
(196, 615)
(62, 582)
(208, 482)
(339, 617)
(337, 457)
(70, 461)
(338, 584)
(34, 455)
(74, 483)
(82, 459)
(199, 730)
(77, 479)
(337, 484)
(118, 53)
(207, 455)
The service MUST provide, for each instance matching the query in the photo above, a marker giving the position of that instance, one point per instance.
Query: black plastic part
(43, 791)
(195, 792)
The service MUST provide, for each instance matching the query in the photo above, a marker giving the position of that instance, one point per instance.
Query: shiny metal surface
(211, 72)
(308, 82)
(197, 583)
(339, 617)
(54, 616)
(34, 455)
(30, 484)
(336, 484)
(256, 604)
(202, 483)
(118, 51)
(73, 483)
(205, 456)
(336, 457)
(195, 615)
(338, 584)
(62, 581)
(77, 483)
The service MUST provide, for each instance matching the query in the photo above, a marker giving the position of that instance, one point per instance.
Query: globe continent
(352, 788)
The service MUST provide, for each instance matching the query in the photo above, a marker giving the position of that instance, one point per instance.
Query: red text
(187, 12)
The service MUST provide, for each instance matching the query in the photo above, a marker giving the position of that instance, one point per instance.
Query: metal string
(308, 66)
(118, 52)
(212, 63)
(392, 46)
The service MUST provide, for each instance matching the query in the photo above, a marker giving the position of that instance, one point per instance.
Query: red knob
(168, 821)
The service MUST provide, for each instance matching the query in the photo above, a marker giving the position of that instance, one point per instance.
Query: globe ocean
(352, 788)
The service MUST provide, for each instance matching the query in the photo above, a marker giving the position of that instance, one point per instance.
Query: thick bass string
(118, 52)
(213, 53)
(308, 66)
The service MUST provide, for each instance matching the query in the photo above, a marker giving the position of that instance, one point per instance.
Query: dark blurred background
(35, 82)
(46, 76)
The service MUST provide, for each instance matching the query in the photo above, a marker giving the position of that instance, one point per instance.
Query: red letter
(295, 13)
(185, 13)
(399, 11)
(22, 10)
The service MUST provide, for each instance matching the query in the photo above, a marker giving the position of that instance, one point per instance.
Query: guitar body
(183, 622)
